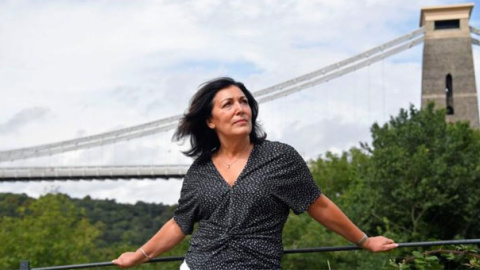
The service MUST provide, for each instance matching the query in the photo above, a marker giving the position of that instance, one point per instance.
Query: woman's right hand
(128, 259)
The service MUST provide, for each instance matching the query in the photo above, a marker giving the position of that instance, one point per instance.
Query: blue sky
(75, 68)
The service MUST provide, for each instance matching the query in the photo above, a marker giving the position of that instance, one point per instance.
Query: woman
(240, 189)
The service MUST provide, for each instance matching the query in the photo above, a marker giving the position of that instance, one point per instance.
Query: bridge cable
(265, 95)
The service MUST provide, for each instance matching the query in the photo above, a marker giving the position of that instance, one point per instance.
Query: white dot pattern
(240, 227)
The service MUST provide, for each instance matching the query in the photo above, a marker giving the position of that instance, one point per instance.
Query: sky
(74, 68)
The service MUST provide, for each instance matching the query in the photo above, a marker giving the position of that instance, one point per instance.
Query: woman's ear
(210, 123)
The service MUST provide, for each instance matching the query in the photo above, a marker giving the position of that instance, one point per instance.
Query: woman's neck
(234, 148)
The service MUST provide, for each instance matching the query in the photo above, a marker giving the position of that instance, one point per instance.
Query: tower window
(447, 24)
(449, 94)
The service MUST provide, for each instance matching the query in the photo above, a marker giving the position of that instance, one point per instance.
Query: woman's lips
(242, 121)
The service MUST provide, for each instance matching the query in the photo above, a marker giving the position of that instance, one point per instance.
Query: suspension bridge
(274, 92)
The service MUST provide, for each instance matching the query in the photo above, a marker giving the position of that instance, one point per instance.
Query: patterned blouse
(240, 227)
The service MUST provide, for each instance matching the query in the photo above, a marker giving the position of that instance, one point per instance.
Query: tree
(417, 181)
(339, 177)
(49, 231)
(424, 176)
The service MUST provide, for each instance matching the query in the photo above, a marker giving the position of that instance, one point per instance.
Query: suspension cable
(264, 95)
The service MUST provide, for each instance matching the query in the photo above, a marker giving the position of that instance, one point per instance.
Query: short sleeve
(187, 210)
(296, 186)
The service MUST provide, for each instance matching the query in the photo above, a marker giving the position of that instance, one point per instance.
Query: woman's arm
(165, 239)
(329, 215)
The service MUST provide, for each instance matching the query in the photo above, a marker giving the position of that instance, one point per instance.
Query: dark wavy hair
(204, 140)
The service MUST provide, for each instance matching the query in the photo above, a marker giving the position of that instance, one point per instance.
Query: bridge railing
(25, 265)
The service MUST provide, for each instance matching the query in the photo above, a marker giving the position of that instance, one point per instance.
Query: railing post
(24, 265)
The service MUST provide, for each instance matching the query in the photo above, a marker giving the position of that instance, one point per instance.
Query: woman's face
(231, 114)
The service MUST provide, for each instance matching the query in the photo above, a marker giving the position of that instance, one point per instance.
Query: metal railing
(25, 265)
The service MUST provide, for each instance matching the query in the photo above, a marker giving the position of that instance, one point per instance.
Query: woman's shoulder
(276, 146)
(197, 168)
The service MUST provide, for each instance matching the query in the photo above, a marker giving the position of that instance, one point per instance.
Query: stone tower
(448, 76)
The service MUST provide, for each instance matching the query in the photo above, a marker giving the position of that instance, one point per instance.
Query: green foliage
(342, 177)
(425, 172)
(125, 223)
(301, 231)
(459, 257)
(49, 231)
(9, 203)
(417, 181)
(56, 224)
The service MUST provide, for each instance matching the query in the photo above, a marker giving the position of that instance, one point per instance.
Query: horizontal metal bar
(92, 172)
(289, 251)
(400, 245)
(92, 177)
(104, 264)
(75, 266)
(441, 243)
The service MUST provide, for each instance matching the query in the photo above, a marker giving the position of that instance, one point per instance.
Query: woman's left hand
(379, 244)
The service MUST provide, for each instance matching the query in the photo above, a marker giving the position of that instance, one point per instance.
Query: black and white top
(240, 227)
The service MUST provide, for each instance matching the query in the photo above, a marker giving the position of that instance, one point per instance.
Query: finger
(390, 246)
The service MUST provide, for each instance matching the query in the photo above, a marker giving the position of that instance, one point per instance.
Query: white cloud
(23, 118)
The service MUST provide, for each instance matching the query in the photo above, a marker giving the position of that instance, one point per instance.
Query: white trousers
(184, 266)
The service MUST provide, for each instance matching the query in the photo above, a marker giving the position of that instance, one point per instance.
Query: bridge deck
(92, 172)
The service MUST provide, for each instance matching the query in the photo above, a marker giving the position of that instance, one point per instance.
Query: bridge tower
(448, 76)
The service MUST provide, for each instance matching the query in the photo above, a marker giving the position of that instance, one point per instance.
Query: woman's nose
(239, 108)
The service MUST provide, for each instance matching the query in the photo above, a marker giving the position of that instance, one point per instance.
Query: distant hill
(124, 223)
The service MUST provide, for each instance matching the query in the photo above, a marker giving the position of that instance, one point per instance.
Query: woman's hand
(329, 215)
(128, 259)
(165, 239)
(379, 244)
